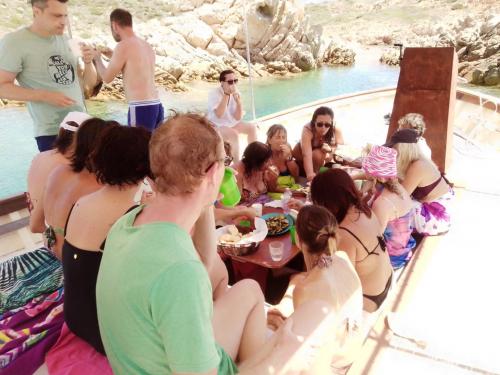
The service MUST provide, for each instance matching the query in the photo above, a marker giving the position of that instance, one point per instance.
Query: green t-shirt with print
(47, 64)
(154, 302)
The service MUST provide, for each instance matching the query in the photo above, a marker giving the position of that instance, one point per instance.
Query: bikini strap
(356, 237)
(67, 220)
(450, 184)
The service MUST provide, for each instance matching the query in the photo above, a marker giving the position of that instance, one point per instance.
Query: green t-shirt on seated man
(47, 64)
(154, 302)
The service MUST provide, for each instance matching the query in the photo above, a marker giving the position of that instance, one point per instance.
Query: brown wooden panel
(427, 85)
(11, 204)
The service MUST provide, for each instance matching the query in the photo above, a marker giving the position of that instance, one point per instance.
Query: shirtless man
(136, 59)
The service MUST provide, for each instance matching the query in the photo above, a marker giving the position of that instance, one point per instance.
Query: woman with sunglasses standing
(319, 139)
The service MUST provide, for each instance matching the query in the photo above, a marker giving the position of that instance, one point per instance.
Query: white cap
(78, 117)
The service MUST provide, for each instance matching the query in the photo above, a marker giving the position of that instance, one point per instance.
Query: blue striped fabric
(27, 276)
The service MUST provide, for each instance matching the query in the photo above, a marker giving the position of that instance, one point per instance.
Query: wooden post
(427, 85)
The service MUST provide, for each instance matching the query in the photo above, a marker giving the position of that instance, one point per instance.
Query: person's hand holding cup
(87, 52)
(285, 151)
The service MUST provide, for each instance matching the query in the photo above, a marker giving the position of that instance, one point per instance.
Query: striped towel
(27, 276)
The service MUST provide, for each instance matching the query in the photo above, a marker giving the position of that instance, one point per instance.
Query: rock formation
(336, 54)
(199, 38)
(477, 42)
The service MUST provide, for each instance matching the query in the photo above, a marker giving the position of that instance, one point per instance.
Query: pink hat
(381, 162)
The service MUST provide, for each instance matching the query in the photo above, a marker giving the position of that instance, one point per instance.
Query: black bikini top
(380, 240)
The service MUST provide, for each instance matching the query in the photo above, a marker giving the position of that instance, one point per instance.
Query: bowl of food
(234, 242)
(277, 224)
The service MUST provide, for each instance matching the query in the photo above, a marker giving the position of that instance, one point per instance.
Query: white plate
(258, 235)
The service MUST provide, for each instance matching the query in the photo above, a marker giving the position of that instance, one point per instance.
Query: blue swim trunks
(145, 113)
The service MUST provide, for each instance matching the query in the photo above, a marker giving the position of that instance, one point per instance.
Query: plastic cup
(276, 250)
(229, 189)
(258, 209)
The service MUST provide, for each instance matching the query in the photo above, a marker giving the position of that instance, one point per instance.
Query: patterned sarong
(399, 240)
(433, 218)
(27, 276)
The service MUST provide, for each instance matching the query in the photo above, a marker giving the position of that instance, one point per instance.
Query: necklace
(323, 261)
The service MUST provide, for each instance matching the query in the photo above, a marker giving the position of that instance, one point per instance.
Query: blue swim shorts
(146, 113)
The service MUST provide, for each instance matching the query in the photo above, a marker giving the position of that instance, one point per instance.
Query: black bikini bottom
(380, 298)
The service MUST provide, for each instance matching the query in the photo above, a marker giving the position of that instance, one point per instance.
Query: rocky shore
(472, 27)
(197, 39)
(477, 43)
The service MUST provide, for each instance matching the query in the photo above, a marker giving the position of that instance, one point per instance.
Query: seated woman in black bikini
(282, 163)
(429, 188)
(361, 236)
(120, 162)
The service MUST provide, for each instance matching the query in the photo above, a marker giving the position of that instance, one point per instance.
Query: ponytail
(328, 233)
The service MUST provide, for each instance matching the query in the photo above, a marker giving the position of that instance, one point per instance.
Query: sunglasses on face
(232, 81)
(228, 160)
(325, 124)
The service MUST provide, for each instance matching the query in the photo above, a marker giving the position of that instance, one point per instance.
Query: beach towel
(73, 356)
(27, 333)
(27, 276)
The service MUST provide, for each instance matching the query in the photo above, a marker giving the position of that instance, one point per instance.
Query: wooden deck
(447, 298)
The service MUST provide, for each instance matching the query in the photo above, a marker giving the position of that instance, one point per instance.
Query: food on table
(245, 227)
(229, 238)
(277, 224)
(303, 191)
(234, 235)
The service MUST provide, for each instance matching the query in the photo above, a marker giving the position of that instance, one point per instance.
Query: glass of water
(276, 250)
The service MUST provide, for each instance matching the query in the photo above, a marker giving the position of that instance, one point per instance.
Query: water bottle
(285, 199)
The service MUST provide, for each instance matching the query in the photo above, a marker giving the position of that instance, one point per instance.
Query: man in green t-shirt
(41, 60)
(154, 297)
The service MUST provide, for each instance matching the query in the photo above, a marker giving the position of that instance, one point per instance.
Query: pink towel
(73, 356)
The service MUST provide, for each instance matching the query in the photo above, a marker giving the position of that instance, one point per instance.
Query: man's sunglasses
(232, 81)
(227, 161)
(325, 124)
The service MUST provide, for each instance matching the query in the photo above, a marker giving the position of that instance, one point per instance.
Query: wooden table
(262, 256)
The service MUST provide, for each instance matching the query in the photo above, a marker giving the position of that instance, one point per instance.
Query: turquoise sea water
(17, 146)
